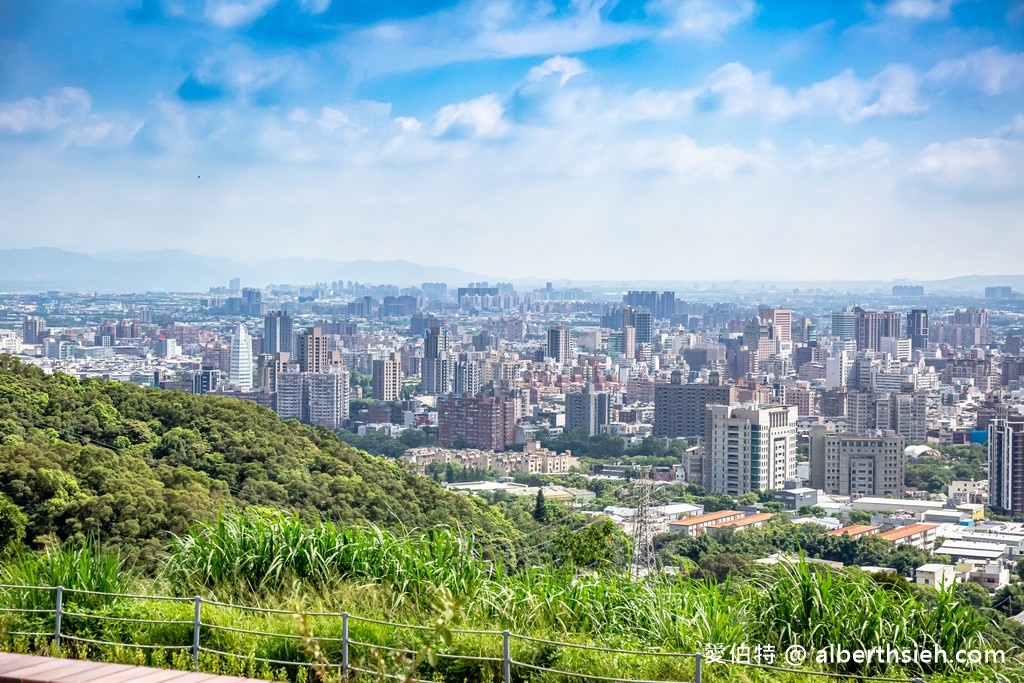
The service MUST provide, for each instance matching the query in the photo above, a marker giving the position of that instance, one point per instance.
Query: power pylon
(643, 535)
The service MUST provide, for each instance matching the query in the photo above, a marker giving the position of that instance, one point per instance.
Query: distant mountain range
(44, 268)
(39, 269)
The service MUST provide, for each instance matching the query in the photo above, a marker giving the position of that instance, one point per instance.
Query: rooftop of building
(907, 531)
(853, 530)
(705, 518)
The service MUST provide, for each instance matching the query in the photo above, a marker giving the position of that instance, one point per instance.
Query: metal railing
(508, 662)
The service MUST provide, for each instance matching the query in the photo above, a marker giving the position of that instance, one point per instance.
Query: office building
(387, 378)
(917, 328)
(680, 410)
(241, 368)
(1006, 463)
(851, 464)
(278, 333)
(204, 381)
(750, 448)
(844, 325)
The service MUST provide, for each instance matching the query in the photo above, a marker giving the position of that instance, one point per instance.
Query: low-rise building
(918, 535)
(935, 575)
(855, 531)
(693, 526)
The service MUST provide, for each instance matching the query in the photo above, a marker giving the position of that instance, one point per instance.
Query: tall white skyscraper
(240, 374)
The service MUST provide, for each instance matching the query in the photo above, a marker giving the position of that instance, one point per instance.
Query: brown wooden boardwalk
(30, 669)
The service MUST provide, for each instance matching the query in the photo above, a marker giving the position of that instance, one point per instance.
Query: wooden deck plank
(15, 668)
(31, 670)
(9, 661)
(92, 673)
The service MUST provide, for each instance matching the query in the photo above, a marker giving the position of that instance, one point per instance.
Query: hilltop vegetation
(132, 466)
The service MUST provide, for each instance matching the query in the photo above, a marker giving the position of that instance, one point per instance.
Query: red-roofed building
(748, 522)
(693, 526)
(855, 531)
(918, 535)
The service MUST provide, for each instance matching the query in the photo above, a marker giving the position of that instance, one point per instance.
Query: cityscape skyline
(525, 139)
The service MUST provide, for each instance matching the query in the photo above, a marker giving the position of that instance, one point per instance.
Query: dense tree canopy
(130, 466)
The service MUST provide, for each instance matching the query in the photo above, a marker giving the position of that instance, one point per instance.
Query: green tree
(860, 517)
(12, 525)
(540, 508)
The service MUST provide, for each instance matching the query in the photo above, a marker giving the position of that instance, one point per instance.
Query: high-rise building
(327, 397)
(680, 410)
(558, 343)
(588, 410)
(871, 326)
(485, 422)
(917, 328)
(750, 448)
(316, 398)
(312, 351)
(205, 381)
(270, 366)
(644, 327)
(906, 413)
(467, 378)
(438, 368)
(851, 464)
(240, 373)
(33, 329)
(844, 324)
(278, 333)
(1006, 463)
(387, 378)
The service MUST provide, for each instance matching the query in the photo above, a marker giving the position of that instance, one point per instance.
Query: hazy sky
(583, 139)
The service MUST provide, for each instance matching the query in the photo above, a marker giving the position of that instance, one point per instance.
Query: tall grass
(257, 554)
(815, 607)
(276, 561)
(87, 567)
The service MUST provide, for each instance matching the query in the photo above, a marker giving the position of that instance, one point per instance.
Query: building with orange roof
(855, 531)
(918, 535)
(693, 526)
(749, 522)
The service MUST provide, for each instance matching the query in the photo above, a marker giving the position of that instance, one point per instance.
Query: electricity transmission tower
(643, 535)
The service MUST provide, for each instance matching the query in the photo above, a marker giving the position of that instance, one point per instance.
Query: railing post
(697, 673)
(507, 657)
(56, 619)
(196, 625)
(344, 646)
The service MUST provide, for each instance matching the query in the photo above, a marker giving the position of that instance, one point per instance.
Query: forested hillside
(131, 466)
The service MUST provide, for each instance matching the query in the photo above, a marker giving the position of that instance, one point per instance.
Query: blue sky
(584, 139)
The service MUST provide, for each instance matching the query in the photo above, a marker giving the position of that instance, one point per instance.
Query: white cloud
(872, 153)
(479, 118)
(235, 13)
(734, 89)
(686, 159)
(925, 10)
(991, 70)
(565, 67)
(704, 18)
(31, 114)
(984, 164)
